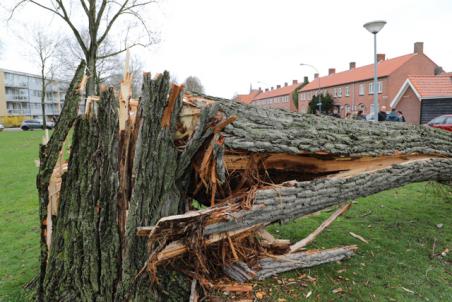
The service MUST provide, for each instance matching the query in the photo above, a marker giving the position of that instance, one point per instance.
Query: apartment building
(353, 89)
(20, 95)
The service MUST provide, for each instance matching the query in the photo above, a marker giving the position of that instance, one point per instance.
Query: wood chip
(359, 237)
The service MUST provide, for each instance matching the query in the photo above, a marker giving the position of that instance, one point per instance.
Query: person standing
(382, 114)
(392, 116)
(401, 116)
(360, 116)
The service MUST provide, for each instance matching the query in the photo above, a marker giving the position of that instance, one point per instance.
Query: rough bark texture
(277, 130)
(48, 156)
(272, 266)
(302, 198)
(83, 261)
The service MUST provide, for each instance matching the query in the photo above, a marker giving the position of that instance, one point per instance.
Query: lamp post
(318, 91)
(374, 27)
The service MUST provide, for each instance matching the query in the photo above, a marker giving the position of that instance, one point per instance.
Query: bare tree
(43, 51)
(193, 84)
(100, 16)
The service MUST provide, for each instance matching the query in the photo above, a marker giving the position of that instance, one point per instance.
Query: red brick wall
(410, 105)
(419, 64)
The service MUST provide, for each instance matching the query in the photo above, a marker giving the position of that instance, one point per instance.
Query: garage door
(435, 107)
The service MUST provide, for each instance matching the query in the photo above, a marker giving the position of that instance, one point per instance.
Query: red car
(442, 122)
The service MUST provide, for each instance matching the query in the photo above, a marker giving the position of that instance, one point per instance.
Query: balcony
(18, 112)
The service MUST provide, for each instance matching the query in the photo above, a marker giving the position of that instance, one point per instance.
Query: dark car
(35, 124)
(442, 122)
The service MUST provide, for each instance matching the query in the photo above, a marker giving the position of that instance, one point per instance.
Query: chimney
(260, 89)
(381, 57)
(266, 89)
(278, 86)
(285, 84)
(352, 65)
(271, 88)
(331, 71)
(438, 70)
(419, 47)
(316, 75)
(305, 80)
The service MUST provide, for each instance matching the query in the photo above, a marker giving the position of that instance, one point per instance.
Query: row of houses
(412, 83)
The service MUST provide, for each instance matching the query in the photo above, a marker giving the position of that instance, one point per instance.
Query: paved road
(12, 129)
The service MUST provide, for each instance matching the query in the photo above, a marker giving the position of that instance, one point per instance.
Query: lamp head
(374, 26)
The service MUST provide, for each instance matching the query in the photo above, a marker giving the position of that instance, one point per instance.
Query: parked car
(442, 122)
(2, 127)
(35, 124)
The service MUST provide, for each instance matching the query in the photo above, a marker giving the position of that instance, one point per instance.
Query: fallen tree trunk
(123, 230)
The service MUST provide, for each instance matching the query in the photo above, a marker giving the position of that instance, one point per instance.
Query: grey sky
(230, 44)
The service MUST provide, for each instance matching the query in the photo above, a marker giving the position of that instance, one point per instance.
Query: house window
(380, 87)
(335, 92)
(347, 90)
(339, 92)
(371, 88)
(361, 89)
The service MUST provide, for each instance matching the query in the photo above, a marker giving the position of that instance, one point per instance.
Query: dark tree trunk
(43, 97)
(83, 261)
(48, 156)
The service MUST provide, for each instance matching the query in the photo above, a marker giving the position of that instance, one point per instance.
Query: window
(380, 87)
(339, 92)
(347, 90)
(361, 89)
(371, 88)
(335, 92)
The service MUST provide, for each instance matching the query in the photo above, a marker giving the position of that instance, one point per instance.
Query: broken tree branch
(302, 243)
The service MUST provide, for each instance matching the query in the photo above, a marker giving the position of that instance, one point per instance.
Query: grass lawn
(396, 265)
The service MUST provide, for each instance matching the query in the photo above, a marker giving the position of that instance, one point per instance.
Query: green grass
(19, 222)
(400, 225)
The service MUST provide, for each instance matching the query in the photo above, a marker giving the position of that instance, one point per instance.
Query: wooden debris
(239, 271)
(358, 237)
(302, 243)
(271, 266)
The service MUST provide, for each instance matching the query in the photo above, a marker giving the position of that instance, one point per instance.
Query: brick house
(279, 97)
(353, 89)
(423, 98)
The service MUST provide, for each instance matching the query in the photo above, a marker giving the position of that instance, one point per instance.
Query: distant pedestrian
(401, 116)
(392, 116)
(382, 114)
(360, 116)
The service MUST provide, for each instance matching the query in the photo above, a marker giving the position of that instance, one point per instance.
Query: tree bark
(48, 156)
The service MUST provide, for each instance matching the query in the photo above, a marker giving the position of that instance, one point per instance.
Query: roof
(385, 68)
(247, 98)
(426, 87)
(285, 90)
(432, 86)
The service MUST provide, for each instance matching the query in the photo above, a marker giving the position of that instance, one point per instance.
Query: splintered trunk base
(167, 198)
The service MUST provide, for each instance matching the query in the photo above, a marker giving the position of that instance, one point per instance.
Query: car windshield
(437, 120)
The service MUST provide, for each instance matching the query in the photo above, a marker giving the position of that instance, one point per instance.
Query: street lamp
(318, 92)
(374, 27)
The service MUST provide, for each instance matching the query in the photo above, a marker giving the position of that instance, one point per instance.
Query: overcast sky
(232, 44)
